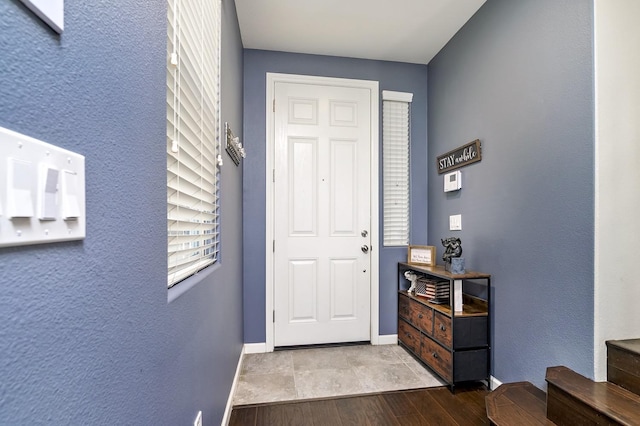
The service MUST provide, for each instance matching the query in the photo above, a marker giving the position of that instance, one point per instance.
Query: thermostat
(452, 181)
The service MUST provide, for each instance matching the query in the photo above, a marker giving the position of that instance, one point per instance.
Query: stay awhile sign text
(459, 157)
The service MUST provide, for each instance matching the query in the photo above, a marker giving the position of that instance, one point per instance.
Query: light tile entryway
(324, 372)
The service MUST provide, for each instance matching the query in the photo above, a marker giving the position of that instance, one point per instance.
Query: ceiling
(411, 31)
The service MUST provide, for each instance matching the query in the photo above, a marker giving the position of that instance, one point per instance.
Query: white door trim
(272, 79)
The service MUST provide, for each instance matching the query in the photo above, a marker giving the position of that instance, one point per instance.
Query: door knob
(365, 248)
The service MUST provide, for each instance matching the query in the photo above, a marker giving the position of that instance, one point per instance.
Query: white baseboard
(229, 407)
(388, 339)
(494, 383)
(255, 348)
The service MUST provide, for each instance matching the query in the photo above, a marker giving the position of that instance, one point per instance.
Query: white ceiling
(411, 31)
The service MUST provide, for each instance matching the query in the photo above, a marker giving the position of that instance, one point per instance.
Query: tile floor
(323, 372)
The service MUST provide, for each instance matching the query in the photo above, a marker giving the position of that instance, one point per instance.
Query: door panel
(303, 178)
(302, 290)
(344, 208)
(303, 111)
(343, 295)
(344, 113)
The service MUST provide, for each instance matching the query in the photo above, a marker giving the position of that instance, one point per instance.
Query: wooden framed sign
(422, 255)
(459, 157)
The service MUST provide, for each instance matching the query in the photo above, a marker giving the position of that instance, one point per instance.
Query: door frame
(272, 79)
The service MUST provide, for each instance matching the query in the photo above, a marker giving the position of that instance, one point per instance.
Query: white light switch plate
(455, 222)
(50, 11)
(42, 192)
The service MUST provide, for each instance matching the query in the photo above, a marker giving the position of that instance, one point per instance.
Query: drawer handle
(435, 355)
(442, 327)
(419, 315)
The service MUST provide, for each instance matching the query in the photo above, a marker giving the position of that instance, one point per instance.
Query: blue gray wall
(88, 335)
(392, 76)
(519, 76)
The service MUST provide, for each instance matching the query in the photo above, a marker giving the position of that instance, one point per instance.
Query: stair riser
(623, 369)
(564, 410)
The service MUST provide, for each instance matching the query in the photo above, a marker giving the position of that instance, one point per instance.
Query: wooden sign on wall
(459, 157)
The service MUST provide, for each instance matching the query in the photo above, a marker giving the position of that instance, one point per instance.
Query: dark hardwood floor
(433, 406)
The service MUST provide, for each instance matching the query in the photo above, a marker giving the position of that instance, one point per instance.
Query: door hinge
(274, 246)
(274, 315)
(274, 105)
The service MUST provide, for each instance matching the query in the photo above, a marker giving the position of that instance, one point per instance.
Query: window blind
(395, 164)
(193, 136)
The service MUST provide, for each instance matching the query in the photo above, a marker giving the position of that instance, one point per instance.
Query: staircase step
(574, 399)
(623, 363)
(519, 403)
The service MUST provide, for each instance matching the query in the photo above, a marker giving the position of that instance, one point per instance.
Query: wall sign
(459, 157)
(422, 255)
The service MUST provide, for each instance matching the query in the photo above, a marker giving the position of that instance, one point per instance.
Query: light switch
(455, 222)
(42, 192)
(70, 206)
(48, 192)
(19, 188)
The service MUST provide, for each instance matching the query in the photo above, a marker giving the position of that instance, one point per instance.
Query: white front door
(322, 214)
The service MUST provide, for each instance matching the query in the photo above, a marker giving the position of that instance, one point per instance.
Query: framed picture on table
(422, 255)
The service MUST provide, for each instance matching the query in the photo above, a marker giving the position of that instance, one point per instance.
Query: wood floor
(433, 406)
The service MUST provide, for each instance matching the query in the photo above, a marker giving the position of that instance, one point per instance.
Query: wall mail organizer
(233, 146)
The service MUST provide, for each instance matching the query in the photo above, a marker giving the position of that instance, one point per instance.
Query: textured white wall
(617, 162)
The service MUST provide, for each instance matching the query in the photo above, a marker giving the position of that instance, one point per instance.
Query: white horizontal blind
(395, 163)
(193, 136)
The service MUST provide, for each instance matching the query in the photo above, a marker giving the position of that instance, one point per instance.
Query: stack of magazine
(434, 291)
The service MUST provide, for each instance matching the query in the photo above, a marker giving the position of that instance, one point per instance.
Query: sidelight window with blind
(395, 166)
(193, 136)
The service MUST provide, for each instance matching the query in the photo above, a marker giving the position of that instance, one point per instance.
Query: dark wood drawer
(415, 313)
(437, 357)
(409, 336)
(404, 307)
(423, 317)
(442, 329)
